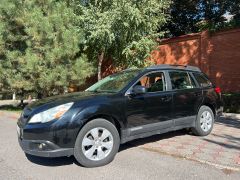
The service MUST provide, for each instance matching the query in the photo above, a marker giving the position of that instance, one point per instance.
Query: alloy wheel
(206, 121)
(97, 144)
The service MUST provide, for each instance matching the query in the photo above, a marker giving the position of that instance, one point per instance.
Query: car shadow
(151, 139)
(63, 161)
(57, 161)
(230, 121)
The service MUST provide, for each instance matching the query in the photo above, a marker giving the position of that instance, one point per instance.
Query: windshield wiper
(96, 91)
(99, 91)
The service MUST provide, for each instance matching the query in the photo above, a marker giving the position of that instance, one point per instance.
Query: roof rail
(176, 66)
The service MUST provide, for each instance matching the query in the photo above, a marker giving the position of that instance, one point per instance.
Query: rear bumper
(43, 148)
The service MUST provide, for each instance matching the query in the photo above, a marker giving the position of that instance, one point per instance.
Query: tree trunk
(22, 99)
(100, 61)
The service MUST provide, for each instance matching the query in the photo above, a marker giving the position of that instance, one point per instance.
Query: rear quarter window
(202, 80)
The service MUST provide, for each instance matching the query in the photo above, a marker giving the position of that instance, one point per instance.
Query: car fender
(99, 110)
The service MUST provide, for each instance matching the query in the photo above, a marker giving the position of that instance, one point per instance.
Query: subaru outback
(131, 104)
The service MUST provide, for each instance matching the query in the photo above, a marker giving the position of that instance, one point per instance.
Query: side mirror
(139, 90)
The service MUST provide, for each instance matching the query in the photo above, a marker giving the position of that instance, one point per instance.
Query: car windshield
(114, 83)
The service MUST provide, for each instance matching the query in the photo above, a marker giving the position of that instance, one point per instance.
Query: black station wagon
(131, 104)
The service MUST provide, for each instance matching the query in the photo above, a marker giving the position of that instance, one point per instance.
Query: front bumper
(42, 148)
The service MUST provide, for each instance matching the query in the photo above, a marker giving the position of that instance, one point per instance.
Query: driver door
(151, 110)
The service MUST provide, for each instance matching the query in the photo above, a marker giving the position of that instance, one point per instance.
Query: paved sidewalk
(13, 102)
(8, 102)
(221, 148)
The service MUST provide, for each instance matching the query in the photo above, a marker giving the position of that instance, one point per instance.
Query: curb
(231, 115)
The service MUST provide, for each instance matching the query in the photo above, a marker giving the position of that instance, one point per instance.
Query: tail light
(218, 90)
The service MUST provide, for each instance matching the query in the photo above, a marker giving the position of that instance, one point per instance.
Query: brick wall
(217, 54)
(224, 59)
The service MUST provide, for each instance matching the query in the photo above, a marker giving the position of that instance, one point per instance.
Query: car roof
(174, 67)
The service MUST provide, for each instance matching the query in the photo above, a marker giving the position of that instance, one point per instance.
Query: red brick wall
(225, 60)
(218, 55)
(178, 52)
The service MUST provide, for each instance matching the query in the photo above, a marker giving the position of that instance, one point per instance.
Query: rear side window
(202, 80)
(181, 80)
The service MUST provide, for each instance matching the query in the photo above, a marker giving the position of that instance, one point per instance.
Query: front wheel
(97, 143)
(204, 122)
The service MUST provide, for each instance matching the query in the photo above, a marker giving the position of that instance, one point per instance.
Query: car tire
(92, 149)
(204, 122)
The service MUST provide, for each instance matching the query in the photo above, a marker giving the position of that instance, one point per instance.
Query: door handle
(166, 98)
(198, 94)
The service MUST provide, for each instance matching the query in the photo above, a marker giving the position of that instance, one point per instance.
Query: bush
(11, 108)
(231, 102)
(5, 95)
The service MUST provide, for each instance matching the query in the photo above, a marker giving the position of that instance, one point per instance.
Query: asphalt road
(131, 162)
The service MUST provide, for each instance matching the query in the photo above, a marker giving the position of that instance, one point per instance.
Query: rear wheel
(97, 143)
(204, 122)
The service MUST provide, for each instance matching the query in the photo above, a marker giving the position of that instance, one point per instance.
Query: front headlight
(51, 114)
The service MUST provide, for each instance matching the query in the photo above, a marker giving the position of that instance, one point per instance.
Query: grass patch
(11, 108)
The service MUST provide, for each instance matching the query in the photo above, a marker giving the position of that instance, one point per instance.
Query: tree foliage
(45, 45)
(188, 16)
(124, 30)
(234, 10)
(40, 47)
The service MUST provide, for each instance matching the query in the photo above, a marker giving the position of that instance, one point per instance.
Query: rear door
(187, 97)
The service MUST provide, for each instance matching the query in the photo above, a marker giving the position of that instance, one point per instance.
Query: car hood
(66, 98)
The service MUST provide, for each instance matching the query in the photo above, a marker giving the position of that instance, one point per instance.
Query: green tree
(123, 30)
(211, 14)
(189, 16)
(40, 47)
(235, 11)
(183, 18)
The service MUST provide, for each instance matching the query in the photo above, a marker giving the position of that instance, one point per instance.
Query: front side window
(114, 83)
(153, 82)
(181, 80)
(202, 80)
